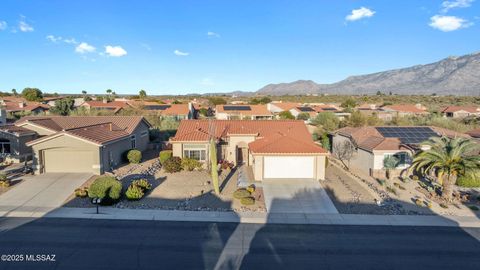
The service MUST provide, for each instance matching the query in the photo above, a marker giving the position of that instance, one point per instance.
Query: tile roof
(172, 109)
(282, 136)
(15, 130)
(470, 109)
(11, 106)
(286, 106)
(254, 110)
(407, 108)
(98, 129)
(115, 105)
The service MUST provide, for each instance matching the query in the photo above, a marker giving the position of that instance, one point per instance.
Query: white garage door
(288, 167)
(65, 160)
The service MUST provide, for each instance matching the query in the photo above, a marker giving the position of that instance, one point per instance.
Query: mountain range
(450, 76)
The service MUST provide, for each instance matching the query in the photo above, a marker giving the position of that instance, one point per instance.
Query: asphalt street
(120, 244)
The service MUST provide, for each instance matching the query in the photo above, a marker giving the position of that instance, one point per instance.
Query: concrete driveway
(304, 196)
(42, 192)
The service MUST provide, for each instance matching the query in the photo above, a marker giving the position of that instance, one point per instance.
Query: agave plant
(447, 159)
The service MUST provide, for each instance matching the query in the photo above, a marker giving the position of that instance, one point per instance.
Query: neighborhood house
(92, 144)
(373, 144)
(242, 112)
(273, 149)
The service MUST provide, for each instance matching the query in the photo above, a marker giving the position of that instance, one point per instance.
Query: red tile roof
(470, 109)
(255, 110)
(98, 129)
(27, 106)
(18, 131)
(283, 136)
(286, 106)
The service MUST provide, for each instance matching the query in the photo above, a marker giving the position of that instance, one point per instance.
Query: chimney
(21, 104)
(110, 126)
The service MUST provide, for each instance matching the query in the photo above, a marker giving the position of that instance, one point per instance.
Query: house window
(144, 133)
(403, 158)
(5, 146)
(133, 140)
(195, 154)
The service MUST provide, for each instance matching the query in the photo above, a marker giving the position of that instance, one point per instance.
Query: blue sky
(180, 47)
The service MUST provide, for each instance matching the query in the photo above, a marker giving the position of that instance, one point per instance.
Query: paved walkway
(248, 217)
(304, 196)
(42, 192)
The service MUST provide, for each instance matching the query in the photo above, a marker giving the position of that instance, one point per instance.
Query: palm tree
(447, 159)
(389, 163)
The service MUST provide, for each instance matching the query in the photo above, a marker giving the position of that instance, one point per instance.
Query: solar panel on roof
(305, 109)
(329, 109)
(157, 107)
(237, 108)
(408, 135)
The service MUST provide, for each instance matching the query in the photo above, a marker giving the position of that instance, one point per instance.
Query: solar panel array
(329, 109)
(157, 107)
(305, 109)
(408, 135)
(237, 108)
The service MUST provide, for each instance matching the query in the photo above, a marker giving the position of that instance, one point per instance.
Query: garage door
(66, 160)
(288, 167)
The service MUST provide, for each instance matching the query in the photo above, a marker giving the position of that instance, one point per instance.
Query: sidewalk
(247, 217)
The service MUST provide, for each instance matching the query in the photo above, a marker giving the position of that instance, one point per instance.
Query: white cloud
(3, 25)
(213, 34)
(360, 13)
(448, 23)
(447, 5)
(115, 51)
(84, 48)
(24, 26)
(53, 38)
(180, 53)
(70, 41)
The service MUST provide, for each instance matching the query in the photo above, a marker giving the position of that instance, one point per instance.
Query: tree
(326, 121)
(14, 92)
(349, 104)
(447, 159)
(343, 151)
(303, 116)
(389, 163)
(32, 94)
(216, 101)
(263, 100)
(63, 106)
(357, 119)
(214, 166)
(176, 101)
(109, 91)
(325, 141)
(142, 94)
(379, 93)
(286, 115)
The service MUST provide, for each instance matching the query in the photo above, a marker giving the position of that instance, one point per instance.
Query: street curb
(249, 217)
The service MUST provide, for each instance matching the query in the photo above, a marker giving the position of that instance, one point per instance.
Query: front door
(242, 155)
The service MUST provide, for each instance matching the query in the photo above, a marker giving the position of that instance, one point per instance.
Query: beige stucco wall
(66, 143)
(233, 142)
(362, 160)
(18, 150)
(320, 167)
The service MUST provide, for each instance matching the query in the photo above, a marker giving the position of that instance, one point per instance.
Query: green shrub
(247, 201)
(81, 192)
(134, 193)
(107, 188)
(142, 183)
(165, 155)
(241, 193)
(443, 205)
(173, 164)
(134, 156)
(3, 177)
(189, 164)
(415, 178)
(470, 180)
(4, 183)
(251, 188)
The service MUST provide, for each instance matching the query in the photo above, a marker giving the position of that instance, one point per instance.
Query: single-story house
(13, 141)
(278, 107)
(296, 111)
(242, 112)
(176, 111)
(402, 110)
(460, 111)
(281, 149)
(18, 104)
(93, 144)
(372, 144)
(106, 105)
